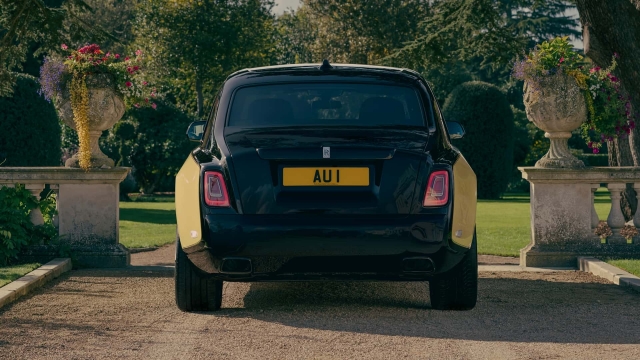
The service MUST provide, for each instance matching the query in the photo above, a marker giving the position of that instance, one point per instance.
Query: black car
(320, 172)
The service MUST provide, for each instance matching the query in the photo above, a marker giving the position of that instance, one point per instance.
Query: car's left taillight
(215, 190)
(437, 193)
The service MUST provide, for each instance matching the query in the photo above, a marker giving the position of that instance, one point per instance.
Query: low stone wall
(563, 216)
(88, 212)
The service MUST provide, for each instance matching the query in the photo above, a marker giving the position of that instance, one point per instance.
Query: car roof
(335, 69)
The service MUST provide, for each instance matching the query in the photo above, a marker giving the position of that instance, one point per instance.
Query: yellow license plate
(332, 176)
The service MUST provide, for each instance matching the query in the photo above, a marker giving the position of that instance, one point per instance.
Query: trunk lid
(356, 170)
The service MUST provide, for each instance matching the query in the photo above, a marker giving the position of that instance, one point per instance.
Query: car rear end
(308, 174)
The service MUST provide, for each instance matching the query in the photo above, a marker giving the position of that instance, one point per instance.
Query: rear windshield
(326, 104)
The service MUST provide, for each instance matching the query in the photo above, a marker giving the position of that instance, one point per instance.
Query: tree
(478, 39)
(196, 44)
(295, 33)
(116, 18)
(610, 27)
(43, 23)
(349, 31)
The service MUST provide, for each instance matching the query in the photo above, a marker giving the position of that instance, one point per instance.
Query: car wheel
(458, 288)
(194, 291)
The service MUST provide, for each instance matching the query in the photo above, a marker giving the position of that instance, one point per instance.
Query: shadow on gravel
(515, 310)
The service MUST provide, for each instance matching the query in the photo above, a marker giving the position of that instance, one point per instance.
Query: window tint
(325, 104)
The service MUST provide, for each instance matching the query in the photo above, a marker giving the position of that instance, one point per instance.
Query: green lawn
(632, 266)
(148, 223)
(10, 273)
(503, 225)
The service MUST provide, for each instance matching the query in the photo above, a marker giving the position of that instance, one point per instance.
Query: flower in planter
(73, 69)
(548, 59)
(610, 114)
(608, 107)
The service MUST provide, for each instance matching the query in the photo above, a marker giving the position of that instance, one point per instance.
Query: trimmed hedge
(30, 132)
(484, 111)
(153, 142)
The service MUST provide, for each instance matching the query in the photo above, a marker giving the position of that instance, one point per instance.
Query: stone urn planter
(106, 107)
(557, 106)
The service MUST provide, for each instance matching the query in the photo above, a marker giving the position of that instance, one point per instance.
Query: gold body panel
(188, 203)
(464, 203)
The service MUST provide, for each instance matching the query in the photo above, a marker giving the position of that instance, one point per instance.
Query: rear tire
(458, 288)
(194, 291)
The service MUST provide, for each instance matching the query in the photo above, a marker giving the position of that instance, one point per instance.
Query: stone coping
(591, 175)
(61, 175)
(615, 275)
(33, 280)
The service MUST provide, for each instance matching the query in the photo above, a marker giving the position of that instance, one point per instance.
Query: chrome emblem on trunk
(326, 152)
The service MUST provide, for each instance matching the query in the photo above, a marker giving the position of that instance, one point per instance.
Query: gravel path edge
(615, 275)
(33, 280)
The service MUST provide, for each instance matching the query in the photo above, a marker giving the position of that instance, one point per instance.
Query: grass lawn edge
(14, 272)
(631, 266)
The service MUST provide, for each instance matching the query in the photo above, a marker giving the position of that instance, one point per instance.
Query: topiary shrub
(30, 134)
(484, 111)
(153, 142)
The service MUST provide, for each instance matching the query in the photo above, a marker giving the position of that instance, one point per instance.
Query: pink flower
(145, 83)
(126, 58)
(616, 55)
(138, 52)
(117, 56)
(154, 106)
(596, 69)
(136, 105)
(64, 47)
(590, 144)
(90, 49)
(596, 150)
(561, 60)
(128, 84)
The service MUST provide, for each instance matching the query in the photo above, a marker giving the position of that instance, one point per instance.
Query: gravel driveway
(110, 314)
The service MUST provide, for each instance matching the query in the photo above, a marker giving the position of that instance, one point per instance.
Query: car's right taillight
(437, 193)
(215, 191)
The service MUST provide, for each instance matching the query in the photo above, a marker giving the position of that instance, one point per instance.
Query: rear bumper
(281, 247)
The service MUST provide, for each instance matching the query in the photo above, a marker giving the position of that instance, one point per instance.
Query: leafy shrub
(153, 142)
(594, 159)
(16, 229)
(488, 145)
(30, 133)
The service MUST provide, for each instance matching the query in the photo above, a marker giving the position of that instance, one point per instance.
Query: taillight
(437, 193)
(215, 191)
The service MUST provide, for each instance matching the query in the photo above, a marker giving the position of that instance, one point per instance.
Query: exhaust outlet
(236, 265)
(418, 264)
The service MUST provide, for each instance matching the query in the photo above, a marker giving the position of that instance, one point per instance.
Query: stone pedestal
(88, 213)
(563, 215)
